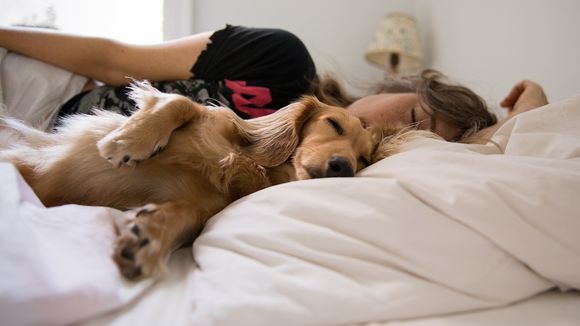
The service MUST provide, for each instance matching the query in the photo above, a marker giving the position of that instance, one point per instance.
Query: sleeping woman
(253, 71)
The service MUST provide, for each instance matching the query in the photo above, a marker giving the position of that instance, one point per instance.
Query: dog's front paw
(121, 147)
(138, 249)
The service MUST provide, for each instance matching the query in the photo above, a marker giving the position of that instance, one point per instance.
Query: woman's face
(401, 108)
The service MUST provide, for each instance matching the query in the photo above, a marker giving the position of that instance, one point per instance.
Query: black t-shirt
(253, 71)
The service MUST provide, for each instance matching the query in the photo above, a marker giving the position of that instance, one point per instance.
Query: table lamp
(396, 47)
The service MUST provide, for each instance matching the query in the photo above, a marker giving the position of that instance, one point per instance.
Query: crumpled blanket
(55, 263)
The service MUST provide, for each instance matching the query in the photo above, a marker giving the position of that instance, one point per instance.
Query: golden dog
(181, 163)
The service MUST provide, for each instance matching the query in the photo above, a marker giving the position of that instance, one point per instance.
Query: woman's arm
(524, 96)
(107, 60)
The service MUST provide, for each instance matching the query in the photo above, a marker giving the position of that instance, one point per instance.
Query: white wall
(488, 45)
(178, 18)
(104, 18)
(492, 44)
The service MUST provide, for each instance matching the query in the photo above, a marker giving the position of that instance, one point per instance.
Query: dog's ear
(272, 139)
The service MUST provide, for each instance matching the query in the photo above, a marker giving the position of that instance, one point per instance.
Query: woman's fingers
(510, 100)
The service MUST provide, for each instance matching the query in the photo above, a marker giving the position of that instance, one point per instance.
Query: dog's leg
(148, 130)
(239, 175)
(145, 241)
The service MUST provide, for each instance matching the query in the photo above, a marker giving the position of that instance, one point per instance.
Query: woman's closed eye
(421, 119)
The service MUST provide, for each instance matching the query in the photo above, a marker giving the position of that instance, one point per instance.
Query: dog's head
(318, 139)
(333, 143)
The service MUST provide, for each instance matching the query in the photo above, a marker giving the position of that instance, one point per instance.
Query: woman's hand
(524, 96)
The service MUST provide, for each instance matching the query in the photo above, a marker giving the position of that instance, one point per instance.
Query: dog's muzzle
(339, 167)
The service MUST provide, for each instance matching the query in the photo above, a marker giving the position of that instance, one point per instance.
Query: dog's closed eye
(337, 127)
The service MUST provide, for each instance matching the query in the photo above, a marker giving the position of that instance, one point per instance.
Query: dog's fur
(181, 163)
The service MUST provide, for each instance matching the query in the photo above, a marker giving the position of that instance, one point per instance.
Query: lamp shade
(397, 35)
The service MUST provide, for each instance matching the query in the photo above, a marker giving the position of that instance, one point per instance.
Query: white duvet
(437, 229)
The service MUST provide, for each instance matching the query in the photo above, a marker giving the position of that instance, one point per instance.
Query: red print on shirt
(255, 96)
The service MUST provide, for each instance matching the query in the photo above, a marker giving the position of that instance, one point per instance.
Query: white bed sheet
(437, 230)
(21, 76)
(55, 265)
(169, 303)
(551, 308)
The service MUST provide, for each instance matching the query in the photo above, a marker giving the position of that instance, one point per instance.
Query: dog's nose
(339, 167)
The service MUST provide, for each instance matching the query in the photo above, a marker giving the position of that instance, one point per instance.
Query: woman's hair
(455, 103)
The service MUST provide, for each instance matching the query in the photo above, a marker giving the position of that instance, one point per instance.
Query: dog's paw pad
(128, 254)
(137, 253)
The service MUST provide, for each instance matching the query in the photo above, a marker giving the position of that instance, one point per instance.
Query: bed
(440, 234)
